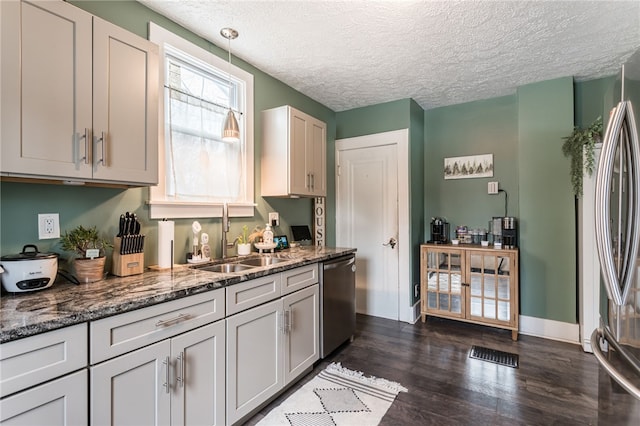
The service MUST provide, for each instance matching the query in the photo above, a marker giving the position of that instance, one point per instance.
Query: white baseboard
(415, 312)
(550, 329)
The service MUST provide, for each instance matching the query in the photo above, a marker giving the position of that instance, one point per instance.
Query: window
(198, 171)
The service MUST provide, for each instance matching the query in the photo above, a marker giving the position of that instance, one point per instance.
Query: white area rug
(337, 396)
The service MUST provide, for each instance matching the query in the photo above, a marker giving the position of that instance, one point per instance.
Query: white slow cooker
(29, 270)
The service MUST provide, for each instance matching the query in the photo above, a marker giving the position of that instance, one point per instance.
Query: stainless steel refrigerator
(616, 343)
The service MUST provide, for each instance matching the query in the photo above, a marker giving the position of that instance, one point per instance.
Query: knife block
(126, 264)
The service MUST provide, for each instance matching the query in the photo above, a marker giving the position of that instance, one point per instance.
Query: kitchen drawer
(123, 333)
(59, 402)
(299, 278)
(252, 293)
(36, 359)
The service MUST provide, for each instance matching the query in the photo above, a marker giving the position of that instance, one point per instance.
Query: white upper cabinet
(79, 96)
(293, 154)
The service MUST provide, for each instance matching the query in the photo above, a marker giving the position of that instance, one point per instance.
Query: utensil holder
(126, 264)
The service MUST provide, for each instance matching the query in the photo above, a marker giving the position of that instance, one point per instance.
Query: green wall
(589, 100)
(547, 208)
(481, 127)
(416, 192)
(373, 119)
(21, 203)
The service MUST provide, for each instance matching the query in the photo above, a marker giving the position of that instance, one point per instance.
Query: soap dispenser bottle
(267, 235)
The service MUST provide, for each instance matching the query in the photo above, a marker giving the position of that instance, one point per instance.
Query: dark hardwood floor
(555, 384)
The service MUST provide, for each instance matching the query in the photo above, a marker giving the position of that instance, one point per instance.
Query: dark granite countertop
(64, 303)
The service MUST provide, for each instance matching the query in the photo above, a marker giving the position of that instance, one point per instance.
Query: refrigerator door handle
(617, 278)
(596, 336)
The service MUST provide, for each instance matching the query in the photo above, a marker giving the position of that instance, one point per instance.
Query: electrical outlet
(274, 219)
(416, 290)
(492, 188)
(48, 226)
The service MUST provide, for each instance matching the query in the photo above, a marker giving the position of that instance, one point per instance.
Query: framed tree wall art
(471, 166)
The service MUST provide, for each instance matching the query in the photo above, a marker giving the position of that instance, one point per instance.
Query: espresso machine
(509, 232)
(439, 231)
(504, 230)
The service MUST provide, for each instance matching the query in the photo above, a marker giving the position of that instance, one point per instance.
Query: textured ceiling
(349, 54)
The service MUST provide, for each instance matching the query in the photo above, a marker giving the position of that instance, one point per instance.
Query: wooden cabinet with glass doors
(470, 283)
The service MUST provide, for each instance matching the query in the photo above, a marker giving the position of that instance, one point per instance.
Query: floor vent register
(495, 356)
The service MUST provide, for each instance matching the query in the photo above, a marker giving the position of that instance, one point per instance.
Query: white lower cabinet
(132, 389)
(302, 339)
(177, 381)
(198, 395)
(60, 402)
(163, 364)
(254, 368)
(268, 347)
(43, 378)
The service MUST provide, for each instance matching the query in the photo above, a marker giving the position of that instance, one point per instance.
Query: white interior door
(367, 219)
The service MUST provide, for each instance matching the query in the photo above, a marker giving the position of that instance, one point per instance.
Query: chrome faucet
(225, 229)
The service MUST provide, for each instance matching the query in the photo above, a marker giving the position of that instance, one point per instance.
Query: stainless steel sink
(262, 261)
(227, 267)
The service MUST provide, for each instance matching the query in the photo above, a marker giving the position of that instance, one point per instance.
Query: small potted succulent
(88, 252)
(244, 246)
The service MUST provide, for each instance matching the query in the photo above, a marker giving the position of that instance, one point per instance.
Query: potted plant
(244, 246)
(579, 147)
(87, 250)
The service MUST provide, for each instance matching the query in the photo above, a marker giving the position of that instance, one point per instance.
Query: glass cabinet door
(443, 277)
(490, 280)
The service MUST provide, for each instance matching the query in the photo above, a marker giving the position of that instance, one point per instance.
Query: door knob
(392, 242)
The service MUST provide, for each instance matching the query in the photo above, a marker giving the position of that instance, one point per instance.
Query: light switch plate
(493, 188)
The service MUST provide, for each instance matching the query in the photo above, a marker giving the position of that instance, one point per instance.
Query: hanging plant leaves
(581, 143)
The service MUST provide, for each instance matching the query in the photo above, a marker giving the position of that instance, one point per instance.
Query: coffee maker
(509, 232)
(439, 231)
(504, 230)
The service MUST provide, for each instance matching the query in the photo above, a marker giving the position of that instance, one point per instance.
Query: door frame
(400, 138)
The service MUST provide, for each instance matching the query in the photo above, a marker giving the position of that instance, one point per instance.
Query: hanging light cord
(229, 69)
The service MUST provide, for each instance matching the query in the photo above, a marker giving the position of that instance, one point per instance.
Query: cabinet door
(254, 360)
(60, 402)
(491, 295)
(316, 157)
(46, 89)
(302, 339)
(199, 376)
(132, 389)
(125, 105)
(443, 282)
(299, 178)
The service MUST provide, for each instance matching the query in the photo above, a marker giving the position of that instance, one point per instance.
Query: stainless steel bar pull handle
(166, 377)
(181, 369)
(102, 139)
(171, 321)
(76, 148)
(596, 336)
(619, 144)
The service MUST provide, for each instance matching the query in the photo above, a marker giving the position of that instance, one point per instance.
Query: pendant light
(231, 130)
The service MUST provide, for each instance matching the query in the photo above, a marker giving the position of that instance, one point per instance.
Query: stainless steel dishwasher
(337, 303)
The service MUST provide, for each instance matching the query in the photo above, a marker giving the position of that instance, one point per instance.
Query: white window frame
(159, 205)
